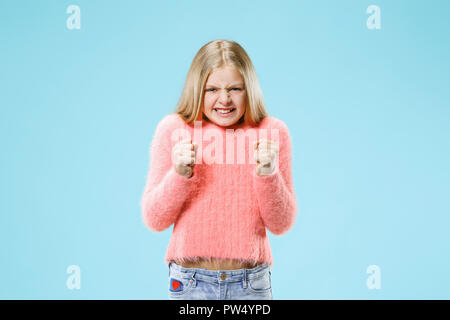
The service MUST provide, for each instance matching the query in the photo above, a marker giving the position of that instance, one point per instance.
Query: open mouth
(224, 112)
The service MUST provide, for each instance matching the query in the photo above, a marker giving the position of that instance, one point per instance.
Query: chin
(229, 122)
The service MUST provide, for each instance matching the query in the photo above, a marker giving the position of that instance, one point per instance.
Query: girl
(219, 204)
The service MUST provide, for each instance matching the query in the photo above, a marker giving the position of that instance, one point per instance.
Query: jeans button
(223, 276)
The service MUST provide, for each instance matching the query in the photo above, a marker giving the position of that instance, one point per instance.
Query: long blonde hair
(217, 54)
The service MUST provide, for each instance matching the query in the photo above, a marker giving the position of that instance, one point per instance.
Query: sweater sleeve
(275, 192)
(165, 191)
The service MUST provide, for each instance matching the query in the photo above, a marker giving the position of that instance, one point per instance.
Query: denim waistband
(216, 276)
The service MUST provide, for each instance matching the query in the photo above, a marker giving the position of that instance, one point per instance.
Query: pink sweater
(223, 210)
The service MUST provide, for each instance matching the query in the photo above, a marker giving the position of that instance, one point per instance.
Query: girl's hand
(265, 153)
(183, 157)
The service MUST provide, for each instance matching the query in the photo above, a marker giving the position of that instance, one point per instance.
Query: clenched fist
(183, 156)
(265, 153)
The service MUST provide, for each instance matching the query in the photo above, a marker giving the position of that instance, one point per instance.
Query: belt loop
(245, 278)
(194, 284)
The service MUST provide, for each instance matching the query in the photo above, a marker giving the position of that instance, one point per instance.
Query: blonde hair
(213, 55)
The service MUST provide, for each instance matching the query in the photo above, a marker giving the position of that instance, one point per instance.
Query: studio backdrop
(363, 87)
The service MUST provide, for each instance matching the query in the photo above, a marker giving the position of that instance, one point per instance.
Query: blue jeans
(203, 284)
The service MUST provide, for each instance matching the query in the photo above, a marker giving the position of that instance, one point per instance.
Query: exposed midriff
(217, 264)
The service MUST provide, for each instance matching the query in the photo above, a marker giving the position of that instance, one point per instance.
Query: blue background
(368, 111)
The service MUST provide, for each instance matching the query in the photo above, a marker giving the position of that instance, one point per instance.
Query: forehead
(225, 75)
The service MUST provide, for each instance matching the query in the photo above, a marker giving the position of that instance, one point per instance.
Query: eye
(237, 89)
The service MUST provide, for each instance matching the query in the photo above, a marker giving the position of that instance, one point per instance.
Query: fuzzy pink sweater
(223, 210)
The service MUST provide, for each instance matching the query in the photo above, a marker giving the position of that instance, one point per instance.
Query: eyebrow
(232, 85)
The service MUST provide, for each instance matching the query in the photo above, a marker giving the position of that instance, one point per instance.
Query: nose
(224, 97)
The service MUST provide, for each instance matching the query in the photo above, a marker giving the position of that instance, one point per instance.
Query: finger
(188, 171)
(185, 141)
(195, 146)
(187, 153)
(182, 155)
(187, 161)
(182, 152)
(266, 157)
(180, 147)
(264, 143)
(190, 146)
(266, 165)
(264, 153)
(255, 144)
(255, 156)
(185, 147)
(265, 162)
(272, 148)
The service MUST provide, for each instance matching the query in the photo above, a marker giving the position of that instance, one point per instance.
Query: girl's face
(225, 95)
